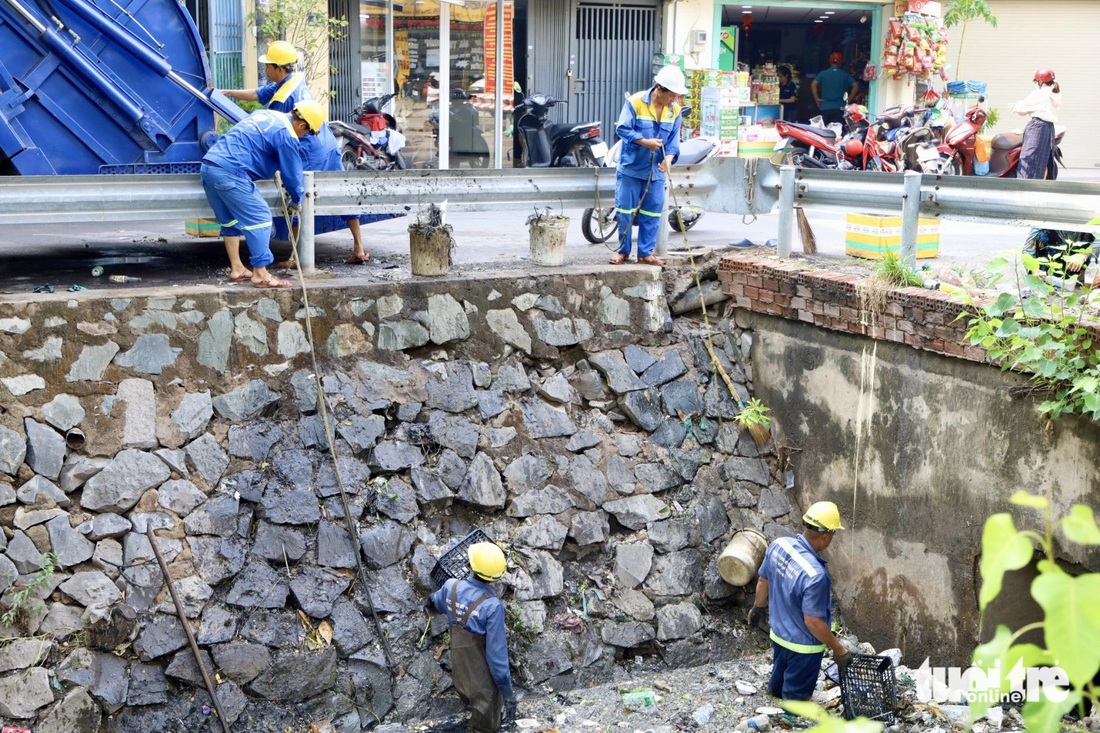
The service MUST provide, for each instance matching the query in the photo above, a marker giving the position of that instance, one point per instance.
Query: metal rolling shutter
(1060, 34)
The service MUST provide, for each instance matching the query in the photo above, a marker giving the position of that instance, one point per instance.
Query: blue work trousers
(794, 675)
(645, 197)
(240, 210)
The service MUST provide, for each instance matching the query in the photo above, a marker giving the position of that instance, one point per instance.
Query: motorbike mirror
(981, 99)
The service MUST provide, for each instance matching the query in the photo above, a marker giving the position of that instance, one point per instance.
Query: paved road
(64, 255)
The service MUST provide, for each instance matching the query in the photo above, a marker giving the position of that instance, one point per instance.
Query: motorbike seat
(823, 132)
(694, 150)
(1007, 141)
(558, 129)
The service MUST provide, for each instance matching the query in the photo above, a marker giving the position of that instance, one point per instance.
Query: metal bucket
(741, 559)
(548, 241)
(430, 249)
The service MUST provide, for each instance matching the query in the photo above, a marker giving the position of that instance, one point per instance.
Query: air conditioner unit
(699, 38)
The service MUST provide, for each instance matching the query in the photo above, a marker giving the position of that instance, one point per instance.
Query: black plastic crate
(455, 562)
(869, 688)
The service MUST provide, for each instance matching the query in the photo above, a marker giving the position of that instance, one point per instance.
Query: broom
(805, 233)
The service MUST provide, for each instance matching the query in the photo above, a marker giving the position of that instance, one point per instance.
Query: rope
(749, 178)
(330, 435)
(707, 342)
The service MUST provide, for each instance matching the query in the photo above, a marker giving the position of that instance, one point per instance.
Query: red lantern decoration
(746, 22)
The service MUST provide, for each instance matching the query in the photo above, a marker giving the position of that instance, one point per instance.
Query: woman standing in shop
(788, 94)
(1037, 155)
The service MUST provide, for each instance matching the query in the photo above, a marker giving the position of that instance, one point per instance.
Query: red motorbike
(956, 155)
(805, 146)
(888, 144)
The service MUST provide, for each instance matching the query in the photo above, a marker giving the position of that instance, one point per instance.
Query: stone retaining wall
(567, 416)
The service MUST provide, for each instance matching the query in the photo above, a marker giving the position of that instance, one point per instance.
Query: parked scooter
(956, 155)
(805, 146)
(547, 145)
(372, 142)
(467, 141)
(599, 225)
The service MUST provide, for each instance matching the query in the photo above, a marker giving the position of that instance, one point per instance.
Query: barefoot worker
(649, 127)
(252, 150)
(320, 152)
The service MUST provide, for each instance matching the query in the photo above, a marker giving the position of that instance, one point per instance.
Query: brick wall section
(923, 319)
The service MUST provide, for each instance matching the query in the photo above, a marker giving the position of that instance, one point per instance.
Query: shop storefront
(764, 39)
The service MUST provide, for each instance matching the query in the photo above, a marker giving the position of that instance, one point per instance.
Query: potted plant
(547, 235)
(431, 246)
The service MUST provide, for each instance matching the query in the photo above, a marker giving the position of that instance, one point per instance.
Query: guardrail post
(306, 248)
(910, 217)
(786, 210)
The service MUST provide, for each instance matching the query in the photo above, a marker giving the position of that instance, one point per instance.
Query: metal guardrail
(722, 184)
(725, 185)
(1051, 204)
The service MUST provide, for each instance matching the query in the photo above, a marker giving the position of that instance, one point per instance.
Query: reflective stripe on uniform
(226, 225)
(286, 89)
(643, 110)
(787, 545)
(256, 226)
(800, 648)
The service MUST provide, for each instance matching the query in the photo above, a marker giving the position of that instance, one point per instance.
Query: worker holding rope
(649, 127)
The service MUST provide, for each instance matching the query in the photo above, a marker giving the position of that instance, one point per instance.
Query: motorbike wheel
(349, 158)
(691, 218)
(583, 155)
(945, 165)
(796, 157)
(599, 225)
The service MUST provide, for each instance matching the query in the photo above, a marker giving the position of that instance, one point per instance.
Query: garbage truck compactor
(104, 86)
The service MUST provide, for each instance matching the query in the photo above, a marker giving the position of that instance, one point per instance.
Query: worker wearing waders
(794, 578)
(285, 88)
(649, 128)
(254, 149)
(479, 645)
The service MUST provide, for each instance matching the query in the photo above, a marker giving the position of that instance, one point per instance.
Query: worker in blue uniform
(479, 644)
(254, 149)
(649, 128)
(794, 579)
(285, 88)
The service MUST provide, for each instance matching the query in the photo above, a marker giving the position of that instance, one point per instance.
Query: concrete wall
(917, 449)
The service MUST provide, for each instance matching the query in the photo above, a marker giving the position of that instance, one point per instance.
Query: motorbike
(806, 146)
(956, 155)
(372, 142)
(599, 225)
(467, 141)
(544, 144)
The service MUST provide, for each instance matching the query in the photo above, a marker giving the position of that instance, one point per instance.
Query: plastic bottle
(124, 279)
(755, 723)
(949, 276)
(97, 271)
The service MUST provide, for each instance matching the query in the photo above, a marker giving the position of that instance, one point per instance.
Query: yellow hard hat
(312, 113)
(280, 53)
(487, 561)
(823, 516)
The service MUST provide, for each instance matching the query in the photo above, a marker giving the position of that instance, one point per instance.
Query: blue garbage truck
(104, 87)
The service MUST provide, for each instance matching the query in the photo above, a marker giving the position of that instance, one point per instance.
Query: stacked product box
(716, 98)
(661, 60)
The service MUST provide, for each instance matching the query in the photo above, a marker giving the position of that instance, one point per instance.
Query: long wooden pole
(186, 626)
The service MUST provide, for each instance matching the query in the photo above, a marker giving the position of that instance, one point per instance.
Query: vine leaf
(1080, 525)
(999, 654)
(1045, 716)
(826, 723)
(1003, 549)
(1072, 608)
(1023, 498)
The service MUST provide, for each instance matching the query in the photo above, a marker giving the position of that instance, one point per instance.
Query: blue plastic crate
(958, 88)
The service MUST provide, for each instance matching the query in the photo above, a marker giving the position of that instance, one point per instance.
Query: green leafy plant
(753, 413)
(993, 116)
(1071, 614)
(306, 24)
(962, 12)
(1040, 329)
(22, 600)
(826, 723)
(895, 270)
